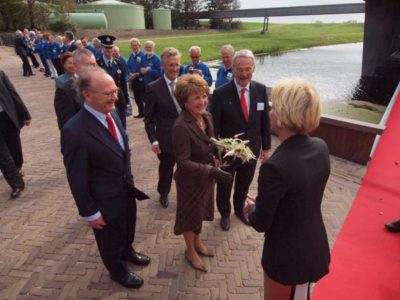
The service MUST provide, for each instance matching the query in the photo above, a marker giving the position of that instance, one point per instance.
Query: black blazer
(229, 120)
(19, 46)
(98, 169)
(66, 102)
(291, 185)
(160, 114)
(12, 103)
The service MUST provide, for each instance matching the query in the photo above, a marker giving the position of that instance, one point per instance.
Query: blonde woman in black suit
(291, 185)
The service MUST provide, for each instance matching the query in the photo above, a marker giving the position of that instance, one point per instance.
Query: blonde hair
(188, 84)
(133, 40)
(297, 106)
(168, 52)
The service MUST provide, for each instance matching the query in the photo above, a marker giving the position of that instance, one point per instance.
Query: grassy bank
(281, 37)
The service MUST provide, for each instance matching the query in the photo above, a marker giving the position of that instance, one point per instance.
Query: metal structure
(162, 19)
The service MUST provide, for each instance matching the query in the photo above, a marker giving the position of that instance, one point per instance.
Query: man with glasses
(66, 100)
(197, 66)
(115, 68)
(241, 107)
(96, 156)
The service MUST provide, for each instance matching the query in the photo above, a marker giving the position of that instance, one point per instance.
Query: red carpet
(366, 258)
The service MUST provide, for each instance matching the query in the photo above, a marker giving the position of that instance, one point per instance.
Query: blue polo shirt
(224, 76)
(204, 69)
(153, 64)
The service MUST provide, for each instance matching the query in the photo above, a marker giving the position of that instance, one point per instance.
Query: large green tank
(88, 20)
(82, 20)
(119, 15)
(161, 18)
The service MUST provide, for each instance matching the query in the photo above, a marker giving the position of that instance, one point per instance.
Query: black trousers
(58, 65)
(116, 239)
(10, 152)
(35, 63)
(165, 173)
(244, 174)
(26, 67)
(139, 94)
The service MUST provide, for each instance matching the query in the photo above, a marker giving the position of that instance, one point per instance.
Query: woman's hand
(247, 203)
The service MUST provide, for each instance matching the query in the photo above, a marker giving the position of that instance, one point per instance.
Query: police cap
(107, 40)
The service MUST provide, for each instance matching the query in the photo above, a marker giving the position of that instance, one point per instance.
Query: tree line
(16, 14)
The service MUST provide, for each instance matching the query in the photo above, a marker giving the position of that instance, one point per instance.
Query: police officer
(115, 69)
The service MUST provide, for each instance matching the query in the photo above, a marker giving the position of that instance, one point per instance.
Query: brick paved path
(48, 252)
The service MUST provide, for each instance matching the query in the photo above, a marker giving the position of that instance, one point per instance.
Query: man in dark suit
(241, 107)
(97, 159)
(67, 102)
(22, 51)
(116, 70)
(13, 116)
(160, 113)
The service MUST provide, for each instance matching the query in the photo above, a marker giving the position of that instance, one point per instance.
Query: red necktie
(111, 126)
(244, 104)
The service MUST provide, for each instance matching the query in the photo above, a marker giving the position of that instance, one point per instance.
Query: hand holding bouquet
(232, 148)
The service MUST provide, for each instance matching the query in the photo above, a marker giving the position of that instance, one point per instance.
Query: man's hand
(156, 149)
(133, 75)
(143, 70)
(264, 155)
(27, 122)
(98, 223)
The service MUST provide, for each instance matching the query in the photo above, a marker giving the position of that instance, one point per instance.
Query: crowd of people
(181, 117)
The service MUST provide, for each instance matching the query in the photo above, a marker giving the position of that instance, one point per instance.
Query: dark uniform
(117, 72)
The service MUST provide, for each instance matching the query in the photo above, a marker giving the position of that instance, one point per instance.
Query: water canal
(334, 70)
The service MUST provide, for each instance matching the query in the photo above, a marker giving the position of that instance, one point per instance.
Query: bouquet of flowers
(231, 148)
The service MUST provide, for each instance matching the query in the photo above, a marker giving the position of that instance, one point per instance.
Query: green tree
(13, 15)
(222, 5)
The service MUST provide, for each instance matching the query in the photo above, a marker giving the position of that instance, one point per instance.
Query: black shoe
(47, 75)
(16, 192)
(137, 258)
(164, 201)
(393, 226)
(31, 74)
(138, 116)
(128, 279)
(225, 223)
(242, 218)
(26, 75)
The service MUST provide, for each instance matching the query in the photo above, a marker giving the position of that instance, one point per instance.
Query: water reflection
(334, 70)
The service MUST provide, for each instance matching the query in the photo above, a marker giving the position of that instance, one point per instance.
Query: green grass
(281, 37)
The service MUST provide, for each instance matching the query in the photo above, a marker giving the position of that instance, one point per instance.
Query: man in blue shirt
(225, 74)
(198, 67)
(150, 66)
(134, 62)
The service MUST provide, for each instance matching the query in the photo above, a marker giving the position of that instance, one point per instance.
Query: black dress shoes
(137, 258)
(393, 226)
(164, 201)
(225, 223)
(138, 116)
(16, 192)
(128, 279)
(242, 218)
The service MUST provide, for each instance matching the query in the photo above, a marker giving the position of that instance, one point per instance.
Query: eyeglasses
(108, 94)
(195, 56)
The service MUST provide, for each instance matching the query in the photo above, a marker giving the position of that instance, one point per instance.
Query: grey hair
(84, 82)
(194, 48)
(134, 40)
(150, 42)
(18, 32)
(227, 48)
(96, 41)
(77, 54)
(245, 53)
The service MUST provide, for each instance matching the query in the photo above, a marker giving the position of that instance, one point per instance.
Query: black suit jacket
(98, 169)
(117, 72)
(160, 114)
(291, 185)
(12, 103)
(229, 119)
(66, 102)
(19, 46)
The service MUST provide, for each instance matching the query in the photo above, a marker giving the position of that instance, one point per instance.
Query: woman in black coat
(290, 190)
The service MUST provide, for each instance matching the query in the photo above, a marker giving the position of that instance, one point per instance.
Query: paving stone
(48, 252)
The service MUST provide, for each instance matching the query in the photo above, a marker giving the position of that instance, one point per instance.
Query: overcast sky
(245, 4)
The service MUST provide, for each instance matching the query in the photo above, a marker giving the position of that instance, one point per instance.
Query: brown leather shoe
(225, 223)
